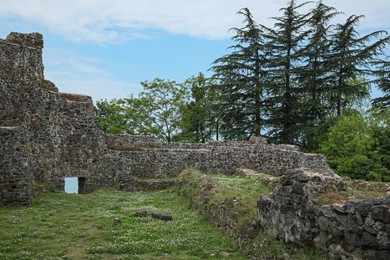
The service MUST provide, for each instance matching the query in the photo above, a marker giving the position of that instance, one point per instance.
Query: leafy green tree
(157, 110)
(138, 119)
(352, 147)
(200, 118)
(112, 117)
(163, 100)
(381, 135)
(241, 82)
(123, 116)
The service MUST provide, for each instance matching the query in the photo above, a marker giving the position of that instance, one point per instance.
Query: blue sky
(105, 48)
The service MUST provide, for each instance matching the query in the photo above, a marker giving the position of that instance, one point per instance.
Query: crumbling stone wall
(45, 135)
(356, 229)
(15, 175)
(20, 72)
(147, 157)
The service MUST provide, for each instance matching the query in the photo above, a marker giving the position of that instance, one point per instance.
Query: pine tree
(383, 74)
(351, 59)
(241, 82)
(285, 49)
(313, 81)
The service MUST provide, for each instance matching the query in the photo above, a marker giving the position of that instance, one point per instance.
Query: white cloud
(73, 73)
(105, 21)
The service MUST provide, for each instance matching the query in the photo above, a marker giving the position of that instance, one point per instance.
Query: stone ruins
(46, 136)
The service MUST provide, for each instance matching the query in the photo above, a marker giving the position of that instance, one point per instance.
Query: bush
(357, 147)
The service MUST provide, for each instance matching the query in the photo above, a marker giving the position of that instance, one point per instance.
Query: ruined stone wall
(147, 157)
(20, 71)
(45, 135)
(15, 174)
(49, 135)
(355, 229)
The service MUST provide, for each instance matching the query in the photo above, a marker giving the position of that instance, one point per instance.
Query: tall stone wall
(45, 135)
(15, 174)
(21, 70)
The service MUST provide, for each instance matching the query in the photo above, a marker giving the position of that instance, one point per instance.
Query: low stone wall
(357, 229)
(136, 184)
(226, 218)
(123, 141)
(144, 156)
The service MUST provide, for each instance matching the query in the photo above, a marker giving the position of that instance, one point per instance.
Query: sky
(105, 48)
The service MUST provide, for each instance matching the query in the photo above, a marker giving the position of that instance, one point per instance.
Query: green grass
(69, 226)
(195, 186)
(245, 192)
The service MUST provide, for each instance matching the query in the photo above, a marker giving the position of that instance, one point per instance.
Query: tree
(285, 50)
(241, 82)
(351, 59)
(157, 110)
(383, 73)
(163, 101)
(288, 81)
(312, 76)
(111, 117)
(353, 150)
(381, 135)
(200, 118)
(123, 116)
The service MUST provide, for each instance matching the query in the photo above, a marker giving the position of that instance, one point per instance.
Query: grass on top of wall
(242, 193)
(72, 226)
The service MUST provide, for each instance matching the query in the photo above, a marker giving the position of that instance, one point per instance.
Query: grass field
(71, 226)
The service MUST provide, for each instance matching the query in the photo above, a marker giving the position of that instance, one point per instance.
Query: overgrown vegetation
(222, 188)
(336, 197)
(358, 146)
(68, 226)
(240, 194)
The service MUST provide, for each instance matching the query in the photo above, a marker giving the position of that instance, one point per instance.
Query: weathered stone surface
(339, 208)
(357, 229)
(141, 213)
(381, 213)
(136, 184)
(162, 216)
(48, 85)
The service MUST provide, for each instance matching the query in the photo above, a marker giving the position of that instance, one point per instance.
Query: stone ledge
(9, 129)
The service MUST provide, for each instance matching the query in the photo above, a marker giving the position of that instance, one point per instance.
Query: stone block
(381, 213)
(162, 216)
(141, 213)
